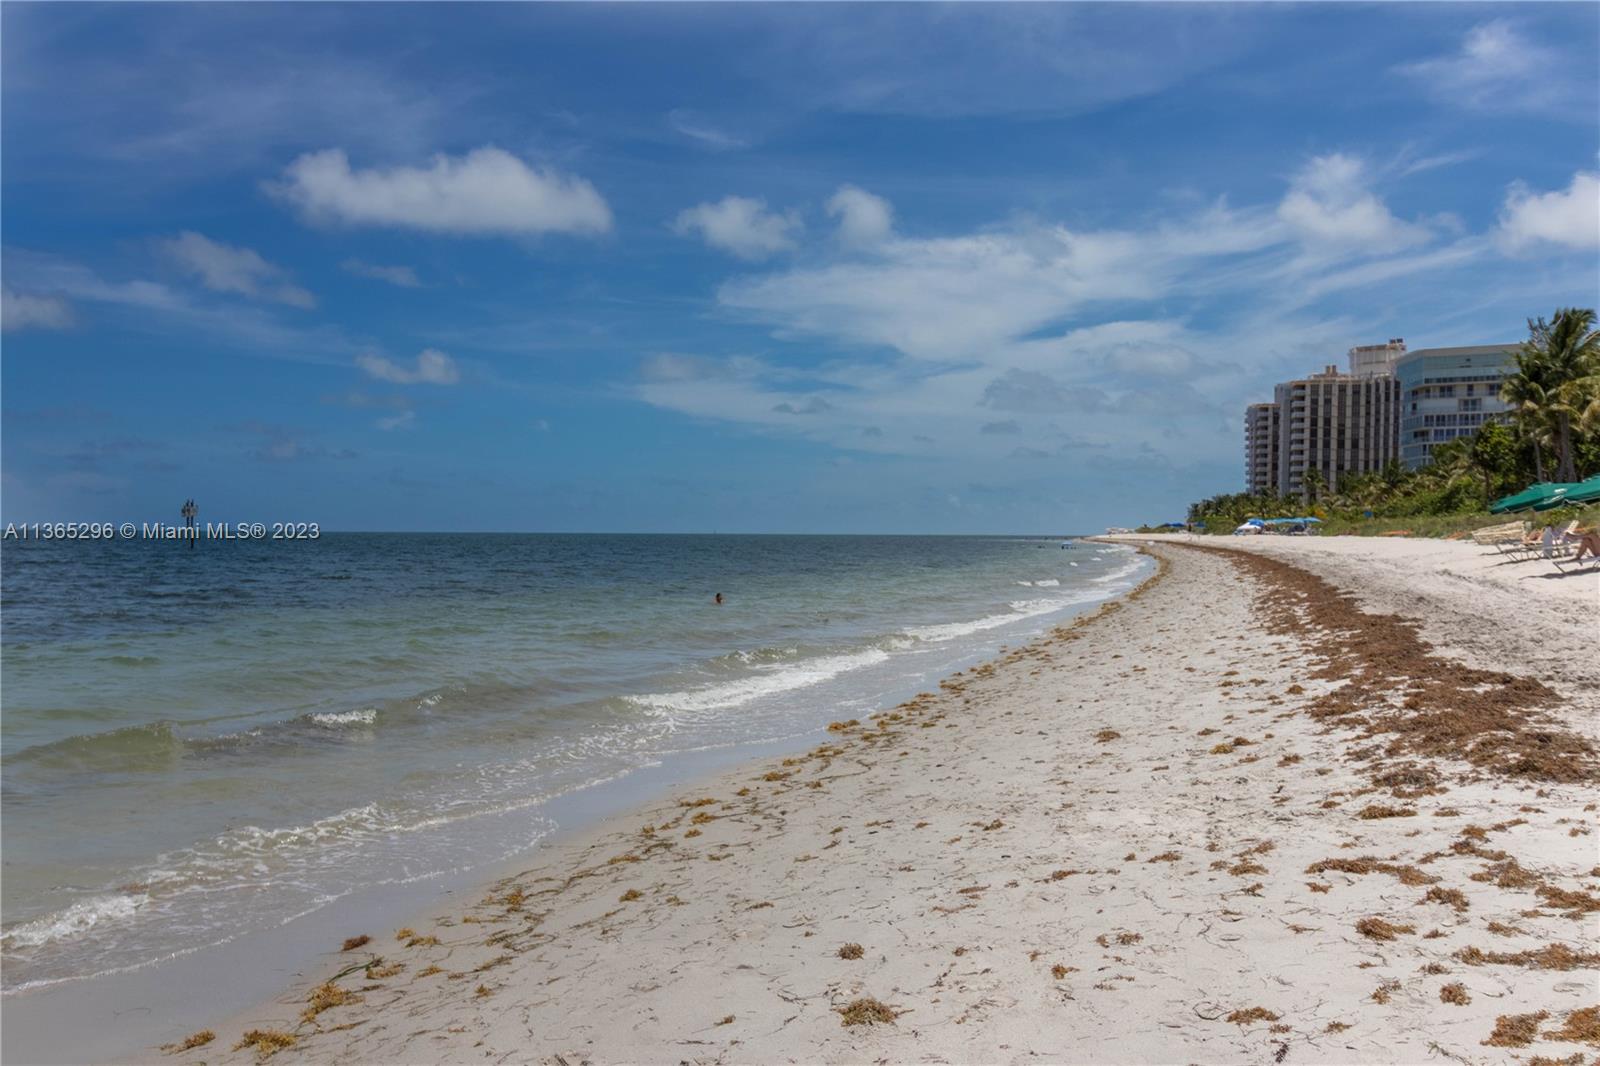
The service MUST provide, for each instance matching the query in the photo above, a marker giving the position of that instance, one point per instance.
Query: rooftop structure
(1376, 360)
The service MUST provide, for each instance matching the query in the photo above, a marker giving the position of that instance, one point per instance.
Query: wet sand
(1286, 803)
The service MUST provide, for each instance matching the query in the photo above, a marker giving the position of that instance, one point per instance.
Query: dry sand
(1157, 836)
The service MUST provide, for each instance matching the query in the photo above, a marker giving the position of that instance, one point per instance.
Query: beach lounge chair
(1529, 541)
(1578, 565)
(1501, 535)
(1561, 561)
(1551, 544)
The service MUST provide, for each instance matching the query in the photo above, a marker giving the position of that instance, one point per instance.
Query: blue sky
(983, 268)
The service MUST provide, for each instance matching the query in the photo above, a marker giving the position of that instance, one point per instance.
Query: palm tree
(1554, 369)
(1314, 481)
(1525, 392)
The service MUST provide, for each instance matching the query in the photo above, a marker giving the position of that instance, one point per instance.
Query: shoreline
(982, 880)
(132, 1005)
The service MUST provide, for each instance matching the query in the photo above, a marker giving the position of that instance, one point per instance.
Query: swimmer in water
(718, 600)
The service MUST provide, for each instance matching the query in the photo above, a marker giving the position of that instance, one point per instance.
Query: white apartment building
(1447, 393)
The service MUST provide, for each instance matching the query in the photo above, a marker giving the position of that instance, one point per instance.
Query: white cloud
(1329, 203)
(863, 217)
(431, 367)
(487, 192)
(402, 276)
(229, 268)
(151, 307)
(954, 297)
(740, 225)
(1570, 218)
(21, 310)
(1497, 68)
(1176, 319)
(403, 420)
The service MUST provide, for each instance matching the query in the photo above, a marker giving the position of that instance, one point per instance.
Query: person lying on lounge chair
(1588, 542)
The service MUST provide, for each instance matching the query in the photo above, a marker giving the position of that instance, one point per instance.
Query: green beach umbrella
(1586, 491)
(1528, 497)
(1575, 492)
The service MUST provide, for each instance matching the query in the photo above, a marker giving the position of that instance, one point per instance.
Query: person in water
(718, 600)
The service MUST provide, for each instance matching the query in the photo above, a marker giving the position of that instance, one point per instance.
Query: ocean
(198, 743)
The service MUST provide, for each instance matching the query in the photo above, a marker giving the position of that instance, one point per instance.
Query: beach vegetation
(1373, 811)
(1378, 929)
(866, 1010)
(189, 1043)
(354, 942)
(1247, 1015)
(851, 951)
(1516, 1030)
(266, 1042)
(1450, 897)
(1582, 1026)
(326, 996)
(1455, 993)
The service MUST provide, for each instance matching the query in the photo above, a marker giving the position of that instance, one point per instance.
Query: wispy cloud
(700, 129)
(1408, 163)
(403, 276)
(431, 367)
(272, 443)
(228, 268)
(1499, 68)
(154, 307)
(20, 310)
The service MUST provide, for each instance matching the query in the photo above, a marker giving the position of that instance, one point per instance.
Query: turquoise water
(199, 742)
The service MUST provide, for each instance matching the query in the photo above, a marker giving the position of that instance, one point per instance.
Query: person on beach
(1588, 542)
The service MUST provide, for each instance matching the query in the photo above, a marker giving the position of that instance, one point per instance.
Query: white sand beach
(1297, 800)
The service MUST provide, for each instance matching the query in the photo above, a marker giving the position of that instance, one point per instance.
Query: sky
(746, 268)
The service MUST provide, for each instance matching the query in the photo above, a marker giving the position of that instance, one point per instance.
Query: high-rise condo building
(1335, 424)
(1330, 422)
(1447, 393)
(1261, 447)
